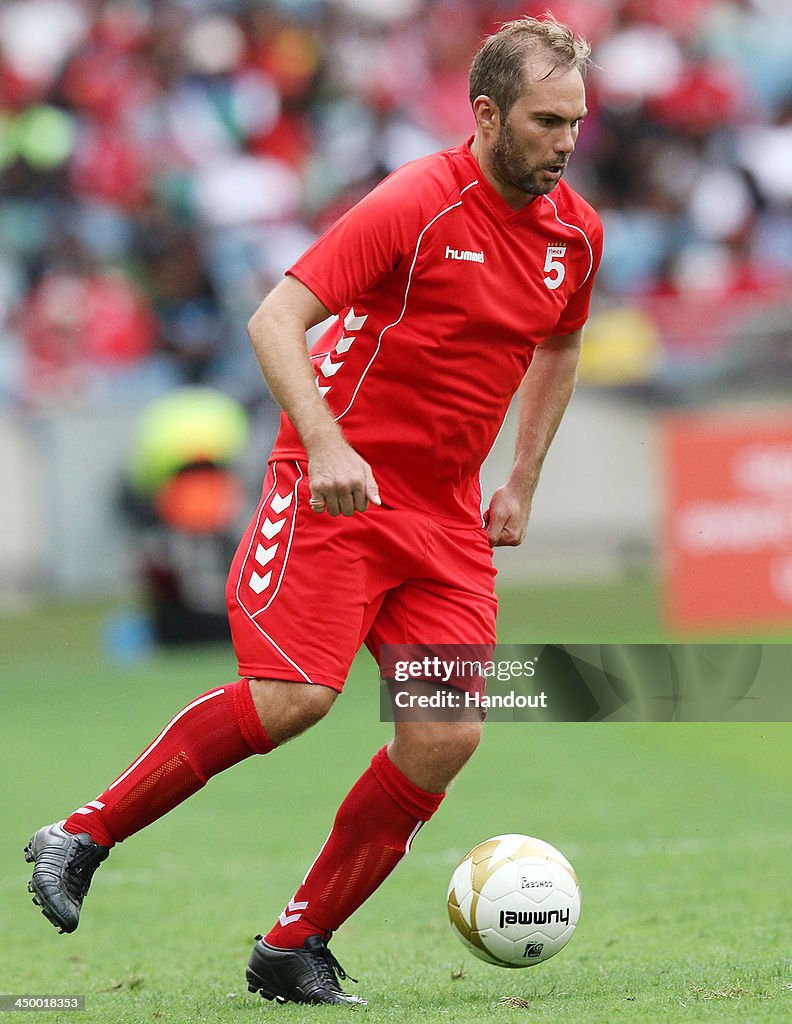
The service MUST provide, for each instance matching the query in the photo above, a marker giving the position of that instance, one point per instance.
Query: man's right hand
(341, 481)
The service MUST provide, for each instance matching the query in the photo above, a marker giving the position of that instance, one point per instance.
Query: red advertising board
(727, 533)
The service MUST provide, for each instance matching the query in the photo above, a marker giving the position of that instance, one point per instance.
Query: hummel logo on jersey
(464, 254)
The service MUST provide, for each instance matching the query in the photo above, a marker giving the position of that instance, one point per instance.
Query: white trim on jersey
(398, 320)
(582, 232)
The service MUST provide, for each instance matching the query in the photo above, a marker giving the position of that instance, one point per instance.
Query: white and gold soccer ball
(514, 901)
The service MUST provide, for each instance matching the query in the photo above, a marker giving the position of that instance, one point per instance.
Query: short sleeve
(364, 244)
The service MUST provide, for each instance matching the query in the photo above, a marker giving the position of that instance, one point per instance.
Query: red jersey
(442, 293)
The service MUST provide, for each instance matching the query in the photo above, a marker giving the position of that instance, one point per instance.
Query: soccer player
(460, 280)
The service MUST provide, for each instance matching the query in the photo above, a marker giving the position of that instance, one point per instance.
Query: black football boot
(307, 975)
(65, 865)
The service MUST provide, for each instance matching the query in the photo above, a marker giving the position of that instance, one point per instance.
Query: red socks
(212, 733)
(373, 830)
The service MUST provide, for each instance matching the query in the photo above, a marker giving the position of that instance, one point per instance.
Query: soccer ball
(514, 901)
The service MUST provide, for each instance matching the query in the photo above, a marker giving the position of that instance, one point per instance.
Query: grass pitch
(680, 834)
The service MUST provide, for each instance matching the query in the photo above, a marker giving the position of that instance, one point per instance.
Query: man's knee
(288, 708)
(431, 754)
(453, 741)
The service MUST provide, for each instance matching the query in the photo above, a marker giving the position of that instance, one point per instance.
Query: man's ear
(487, 113)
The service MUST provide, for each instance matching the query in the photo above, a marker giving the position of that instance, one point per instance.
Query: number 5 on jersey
(553, 267)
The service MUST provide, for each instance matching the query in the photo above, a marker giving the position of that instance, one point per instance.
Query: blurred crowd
(163, 161)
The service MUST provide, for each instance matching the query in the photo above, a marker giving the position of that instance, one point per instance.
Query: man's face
(538, 136)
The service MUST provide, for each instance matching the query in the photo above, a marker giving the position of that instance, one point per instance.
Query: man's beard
(508, 168)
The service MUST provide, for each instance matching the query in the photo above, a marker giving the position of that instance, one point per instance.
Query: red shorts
(307, 590)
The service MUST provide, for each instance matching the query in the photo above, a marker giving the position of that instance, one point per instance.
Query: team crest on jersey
(554, 267)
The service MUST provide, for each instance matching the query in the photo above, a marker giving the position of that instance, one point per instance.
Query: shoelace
(327, 971)
(81, 863)
(336, 967)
